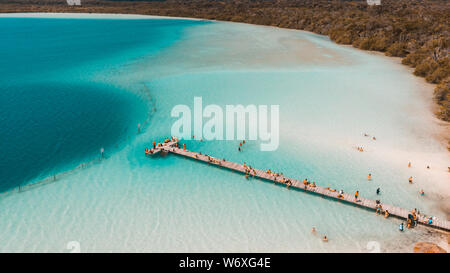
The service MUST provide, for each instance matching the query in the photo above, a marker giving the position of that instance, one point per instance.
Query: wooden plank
(348, 197)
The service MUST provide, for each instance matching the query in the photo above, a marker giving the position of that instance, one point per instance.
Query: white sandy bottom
(133, 203)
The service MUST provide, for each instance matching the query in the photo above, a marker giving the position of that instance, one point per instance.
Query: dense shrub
(397, 49)
(442, 96)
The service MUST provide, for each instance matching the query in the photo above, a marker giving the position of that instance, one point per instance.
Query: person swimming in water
(378, 191)
(369, 177)
(410, 179)
(422, 192)
(325, 239)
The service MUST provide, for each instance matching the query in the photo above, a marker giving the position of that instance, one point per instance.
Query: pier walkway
(172, 147)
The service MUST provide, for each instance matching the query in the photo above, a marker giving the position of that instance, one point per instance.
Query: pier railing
(361, 202)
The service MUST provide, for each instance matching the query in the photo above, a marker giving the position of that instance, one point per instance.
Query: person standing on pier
(356, 195)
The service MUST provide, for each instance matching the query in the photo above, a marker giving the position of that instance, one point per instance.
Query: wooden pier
(171, 146)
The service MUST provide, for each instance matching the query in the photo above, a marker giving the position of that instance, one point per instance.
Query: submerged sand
(285, 58)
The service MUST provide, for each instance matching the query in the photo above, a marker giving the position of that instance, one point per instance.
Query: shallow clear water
(329, 96)
(53, 114)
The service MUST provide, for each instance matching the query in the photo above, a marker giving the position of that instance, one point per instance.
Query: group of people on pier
(248, 170)
(160, 145)
(279, 177)
(307, 184)
(412, 218)
(379, 209)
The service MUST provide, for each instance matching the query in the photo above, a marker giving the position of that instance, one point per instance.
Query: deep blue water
(55, 113)
(69, 87)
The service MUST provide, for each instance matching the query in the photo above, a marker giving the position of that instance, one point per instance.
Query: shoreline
(426, 95)
(80, 15)
(427, 89)
(443, 137)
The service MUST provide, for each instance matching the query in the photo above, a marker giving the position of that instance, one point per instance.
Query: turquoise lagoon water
(71, 86)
